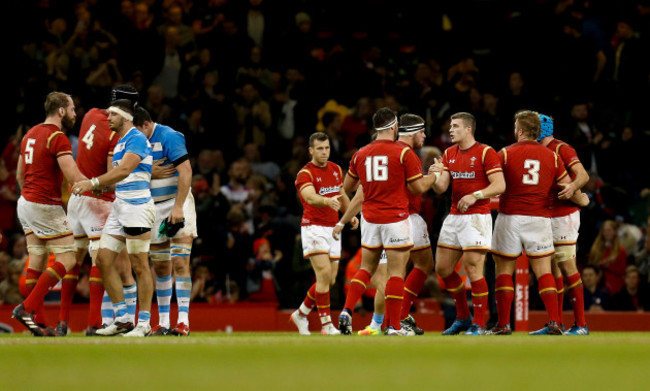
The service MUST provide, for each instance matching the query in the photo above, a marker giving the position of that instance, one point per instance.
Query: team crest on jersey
(336, 175)
(473, 160)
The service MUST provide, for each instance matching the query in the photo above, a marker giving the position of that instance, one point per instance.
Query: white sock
(164, 297)
(183, 291)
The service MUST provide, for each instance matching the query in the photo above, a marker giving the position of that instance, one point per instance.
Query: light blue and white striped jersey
(168, 146)
(134, 189)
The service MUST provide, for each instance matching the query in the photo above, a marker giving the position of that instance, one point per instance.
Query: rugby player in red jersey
(319, 184)
(45, 157)
(474, 172)
(524, 221)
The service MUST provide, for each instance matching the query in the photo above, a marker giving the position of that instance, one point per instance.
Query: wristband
(95, 182)
(478, 194)
(326, 201)
(437, 175)
(340, 224)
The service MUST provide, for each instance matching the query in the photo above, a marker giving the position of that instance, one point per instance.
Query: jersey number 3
(89, 136)
(376, 168)
(532, 178)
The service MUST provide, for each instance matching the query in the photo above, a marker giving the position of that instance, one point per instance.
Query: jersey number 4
(376, 168)
(532, 178)
(89, 136)
(29, 150)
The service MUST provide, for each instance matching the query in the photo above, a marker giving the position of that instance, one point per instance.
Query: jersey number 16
(376, 168)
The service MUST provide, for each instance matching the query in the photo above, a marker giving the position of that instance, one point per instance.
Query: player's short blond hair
(529, 122)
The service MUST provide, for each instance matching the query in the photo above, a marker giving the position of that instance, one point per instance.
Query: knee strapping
(181, 249)
(110, 243)
(137, 246)
(81, 243)
(61, 248)
(160, 255)
(564, 253)
(37, 249)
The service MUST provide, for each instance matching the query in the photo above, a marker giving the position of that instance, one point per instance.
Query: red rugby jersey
(530, 170)
(569, 156)
(383, 168)
(327, 181)
(96, 144)
(40, 148)
(469, 170)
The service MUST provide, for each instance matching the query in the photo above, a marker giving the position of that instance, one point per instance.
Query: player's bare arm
(581, 179)
(345, 204)
(442, 184)
(158, 171)
(422, 184)
(308, 193)
(579, 198)
(128, 163)
(70, 169)
(184, 182)
(19, 172)
(350, 184)
(497, 186)
(349, 216)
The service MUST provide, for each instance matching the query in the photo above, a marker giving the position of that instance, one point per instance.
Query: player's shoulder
(96, 113)
(333, 166)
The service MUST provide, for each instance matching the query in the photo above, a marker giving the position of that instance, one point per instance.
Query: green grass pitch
(287, 361)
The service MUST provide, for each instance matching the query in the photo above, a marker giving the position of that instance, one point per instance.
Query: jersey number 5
(376, 168)
(89, 136)
(532, 178)
(29, 150)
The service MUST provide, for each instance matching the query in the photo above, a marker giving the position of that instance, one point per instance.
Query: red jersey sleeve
(491, 161)
(568, 154)
(412, 164)
(560, 170)
(303, 179)
(59, 145)
(112, 142)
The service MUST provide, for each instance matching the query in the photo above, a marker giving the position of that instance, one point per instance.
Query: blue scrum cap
(546, 127)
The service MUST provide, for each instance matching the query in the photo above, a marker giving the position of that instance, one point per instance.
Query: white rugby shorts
(87, 216)
(43, 220)
(512, 233)
(419, 232)
(466, 232)
(317, 239)
(124, 214)
(391, 236)
(565, 229)
(163, 209)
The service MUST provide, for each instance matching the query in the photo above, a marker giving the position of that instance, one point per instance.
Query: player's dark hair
(383, 117)
(123, 104)
(530, 123)
(125, 91)
(54, 101)
(141, 116)
(318, 136)
(410, 119)
(468, 119)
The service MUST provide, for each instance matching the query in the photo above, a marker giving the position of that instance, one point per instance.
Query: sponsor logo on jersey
(329, 190)
(463, 175)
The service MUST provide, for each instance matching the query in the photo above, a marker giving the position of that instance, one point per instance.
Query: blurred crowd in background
(248, 81)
